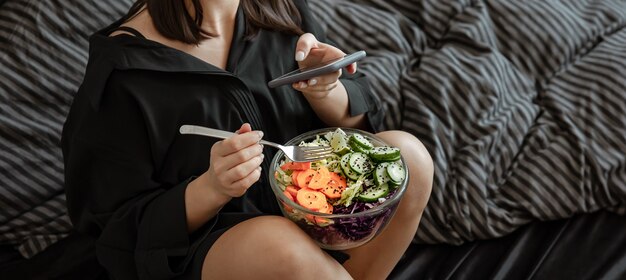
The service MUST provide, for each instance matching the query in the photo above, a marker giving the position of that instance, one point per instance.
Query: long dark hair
(172, 19)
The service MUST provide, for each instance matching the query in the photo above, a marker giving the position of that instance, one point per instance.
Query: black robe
(126, 165)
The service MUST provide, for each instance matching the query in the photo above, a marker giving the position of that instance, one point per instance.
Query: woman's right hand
(235, 163)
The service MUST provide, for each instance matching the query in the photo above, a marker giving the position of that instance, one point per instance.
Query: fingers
(243, 170)
(324, 88)
(235, 163)
(236, 181)
(327, 79)
(319, 84)
(304, 45)
(319, 91)
(244, 128)
(244, 183)
(248, 154)
(234, 172)
(351, 68)
(236, 143)
(240, 170)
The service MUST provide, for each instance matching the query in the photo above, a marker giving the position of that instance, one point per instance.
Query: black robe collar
(124, 52)
(141, 53)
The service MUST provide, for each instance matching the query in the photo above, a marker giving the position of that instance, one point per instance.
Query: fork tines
(316, 152)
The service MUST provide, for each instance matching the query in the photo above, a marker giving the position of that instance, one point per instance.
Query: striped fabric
(43, 55)
(519, 103)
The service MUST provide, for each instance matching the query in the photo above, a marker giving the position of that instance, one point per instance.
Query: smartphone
(318, 70)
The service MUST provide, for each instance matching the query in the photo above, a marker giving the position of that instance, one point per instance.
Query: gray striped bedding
(520, 104)
(43, 55)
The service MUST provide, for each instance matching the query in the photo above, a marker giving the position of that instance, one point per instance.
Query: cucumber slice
(345, 167)
(340, 131)
(380, 174)
(372, 194)
(357, 148)
(396, 173)
(360, 163)
(329, 136)
(357, 140)
(384, 154)
(339, 144)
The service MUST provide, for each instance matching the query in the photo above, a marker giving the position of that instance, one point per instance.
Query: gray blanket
(520, 104)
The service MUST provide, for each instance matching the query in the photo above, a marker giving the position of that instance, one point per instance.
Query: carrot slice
(295, 166)
(292, 190)
(320, 179)
(327, 209)
(338, 179)
(335, 187)
(304, 177)
(311, 199)
(294, 177)
(289, 195)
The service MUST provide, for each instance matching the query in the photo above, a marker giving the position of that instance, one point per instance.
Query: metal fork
(295, 153)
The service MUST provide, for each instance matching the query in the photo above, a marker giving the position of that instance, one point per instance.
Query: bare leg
(376, 259)
(269, 247)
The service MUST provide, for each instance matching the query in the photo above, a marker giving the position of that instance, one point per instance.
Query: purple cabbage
(349, 229)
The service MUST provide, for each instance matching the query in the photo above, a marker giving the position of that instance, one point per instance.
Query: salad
(357, 176)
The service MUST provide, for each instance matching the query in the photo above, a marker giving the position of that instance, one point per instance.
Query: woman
(163, 205)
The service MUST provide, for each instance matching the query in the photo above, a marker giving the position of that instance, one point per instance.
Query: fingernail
(260, 134)
(299, 56)
(262, 156)
(302, 85)
(312, 82)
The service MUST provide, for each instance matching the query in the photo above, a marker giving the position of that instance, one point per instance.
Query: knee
(287, 242)
(287, 248)
(412, 149)
(269, 247)
(419, 163)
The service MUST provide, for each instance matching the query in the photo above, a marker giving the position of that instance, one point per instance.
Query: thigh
(268, 247)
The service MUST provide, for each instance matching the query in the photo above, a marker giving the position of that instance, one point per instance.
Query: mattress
(583, 247)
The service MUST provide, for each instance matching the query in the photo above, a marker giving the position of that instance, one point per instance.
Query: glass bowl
(337, 231)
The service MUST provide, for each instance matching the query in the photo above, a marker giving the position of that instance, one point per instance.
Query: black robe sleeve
(112, 191)
(361, 98)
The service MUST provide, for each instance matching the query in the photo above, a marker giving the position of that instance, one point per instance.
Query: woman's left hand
(310, 52)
